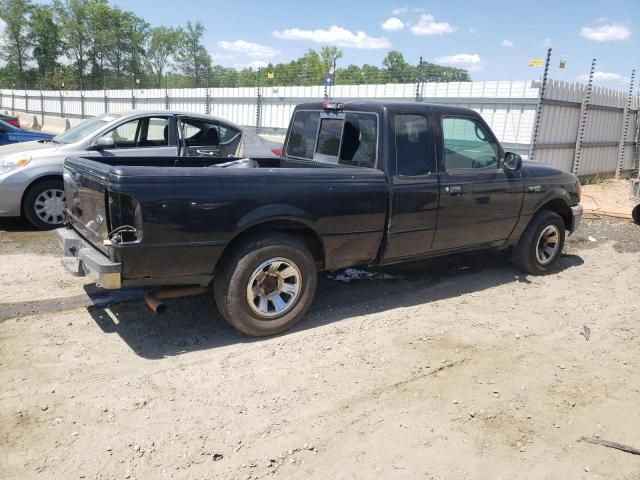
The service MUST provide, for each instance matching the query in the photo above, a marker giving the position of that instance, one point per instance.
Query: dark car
(359, 183)
(10, 134)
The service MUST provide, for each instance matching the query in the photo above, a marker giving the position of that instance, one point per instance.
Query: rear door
(415, 191)
(204, 137)
(147, 136)
(479, 200)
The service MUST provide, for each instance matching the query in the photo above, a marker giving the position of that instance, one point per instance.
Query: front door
(149, 136)
(414, 195)
(480, 201)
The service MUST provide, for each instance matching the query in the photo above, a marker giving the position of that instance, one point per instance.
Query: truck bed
(184, 210)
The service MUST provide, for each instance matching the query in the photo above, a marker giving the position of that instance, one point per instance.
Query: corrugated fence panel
(509, 107)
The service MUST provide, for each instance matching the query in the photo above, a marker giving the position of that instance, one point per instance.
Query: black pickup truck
(358, 183)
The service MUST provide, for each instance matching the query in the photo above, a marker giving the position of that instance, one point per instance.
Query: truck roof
(391, 105)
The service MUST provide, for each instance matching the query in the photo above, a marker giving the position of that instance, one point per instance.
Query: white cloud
(472, 30)
(599, 75)
(507, 43)
(546, 42)
(606, 33)
(258, 64)
(470, 61)
(400, 11)
(427, 25)
(338, 36)
(393, 24)
(250, 49)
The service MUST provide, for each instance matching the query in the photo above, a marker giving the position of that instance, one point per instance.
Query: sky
(493, 39)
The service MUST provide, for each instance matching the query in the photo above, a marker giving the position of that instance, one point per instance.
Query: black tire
(526, 255)
(635, 214)
(232, 278)
(32, 204)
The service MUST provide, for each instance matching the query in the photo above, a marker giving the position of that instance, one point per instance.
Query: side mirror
(103, 143)
(512, 161)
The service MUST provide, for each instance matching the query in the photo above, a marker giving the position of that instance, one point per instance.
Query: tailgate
(86, 200)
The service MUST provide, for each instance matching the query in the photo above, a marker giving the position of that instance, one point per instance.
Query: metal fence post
(543, 87)
(41, 107)
(582, 126)
(207, 99)
(166, 93)
(133, 96)
(13, 101)
(625, 125)
(61, 104)
(26, 102)
(82, 104)
(106, 101)
(258, 105)
(418, 79)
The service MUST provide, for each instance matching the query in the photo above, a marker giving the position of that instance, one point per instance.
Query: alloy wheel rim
(49, 206)
(548, 244)
(274, 287)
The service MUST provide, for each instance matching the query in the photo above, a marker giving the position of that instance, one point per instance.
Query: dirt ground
(460, 368)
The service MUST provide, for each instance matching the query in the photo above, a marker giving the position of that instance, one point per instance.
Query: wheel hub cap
(49, 206)
(274, 287)
(548, 243)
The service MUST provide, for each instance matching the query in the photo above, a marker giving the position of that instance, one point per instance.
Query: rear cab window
(345, 138)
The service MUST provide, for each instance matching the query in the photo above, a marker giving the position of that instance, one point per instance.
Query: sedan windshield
(85, 128)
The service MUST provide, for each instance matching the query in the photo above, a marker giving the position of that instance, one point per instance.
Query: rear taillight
(125, 219)
(277, 151)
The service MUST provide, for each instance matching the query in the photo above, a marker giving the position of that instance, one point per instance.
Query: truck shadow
(193, 323)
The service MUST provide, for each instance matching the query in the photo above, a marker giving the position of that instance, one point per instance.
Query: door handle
(453, 189)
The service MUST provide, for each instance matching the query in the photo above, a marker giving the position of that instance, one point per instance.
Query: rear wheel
(635, 213)
(541, 243)
(44, 204)
(266, 284)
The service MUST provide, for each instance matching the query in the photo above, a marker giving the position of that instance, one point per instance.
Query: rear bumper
(576, 217)
(81, 259)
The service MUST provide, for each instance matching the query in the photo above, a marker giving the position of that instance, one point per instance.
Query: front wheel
(541, 244)
(266, 284)
(44, 204)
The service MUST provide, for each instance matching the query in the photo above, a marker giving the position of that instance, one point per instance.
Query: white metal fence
(508, 106)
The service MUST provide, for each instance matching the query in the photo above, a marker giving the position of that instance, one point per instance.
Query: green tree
(47, 46)
(329, 55)
(395, 66)
(72, 17)
(17, 38)
(163, 45)
(192, 57)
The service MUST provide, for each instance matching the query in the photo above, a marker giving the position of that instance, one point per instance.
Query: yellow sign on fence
(535, 62)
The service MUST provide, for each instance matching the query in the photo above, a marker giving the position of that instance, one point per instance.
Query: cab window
(412, 146)
(302, 138)
(349, 139)
(467, 144)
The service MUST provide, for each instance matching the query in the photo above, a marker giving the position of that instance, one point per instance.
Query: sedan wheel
(49, 206)
(44, 204)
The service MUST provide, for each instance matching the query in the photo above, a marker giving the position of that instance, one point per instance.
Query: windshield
(84, 129)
